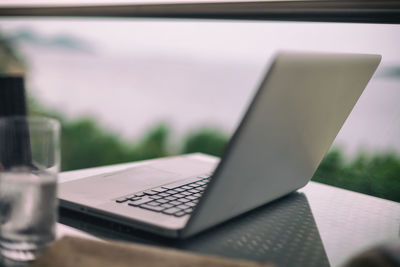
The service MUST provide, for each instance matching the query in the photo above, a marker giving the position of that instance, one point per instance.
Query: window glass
(132, 89)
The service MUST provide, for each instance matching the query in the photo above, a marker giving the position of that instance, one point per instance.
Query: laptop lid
(292, 121)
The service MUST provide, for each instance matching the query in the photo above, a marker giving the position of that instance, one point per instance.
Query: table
(319, 225)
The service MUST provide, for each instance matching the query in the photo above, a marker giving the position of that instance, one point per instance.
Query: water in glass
(27, 213)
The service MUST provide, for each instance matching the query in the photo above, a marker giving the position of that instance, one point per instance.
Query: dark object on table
(14, 148)
(385, 255)
(12, 96)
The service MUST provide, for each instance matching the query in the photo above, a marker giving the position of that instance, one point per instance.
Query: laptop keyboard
(175, 199)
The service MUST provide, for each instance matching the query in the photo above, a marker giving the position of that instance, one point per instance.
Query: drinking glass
(29, 165)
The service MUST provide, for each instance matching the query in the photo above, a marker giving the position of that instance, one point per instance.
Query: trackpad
(99, 189)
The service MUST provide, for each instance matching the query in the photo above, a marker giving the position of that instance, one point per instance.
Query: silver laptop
(293, 119)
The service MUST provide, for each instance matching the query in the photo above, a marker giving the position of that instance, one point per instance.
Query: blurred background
(134, 89)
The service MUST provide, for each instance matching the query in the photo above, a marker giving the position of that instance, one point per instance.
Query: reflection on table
(283, 232)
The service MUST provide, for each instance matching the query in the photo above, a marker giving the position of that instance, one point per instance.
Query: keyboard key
(172, 192)
(162, 201)
(190, 204)
(164, 194)
(159, 189)
(194, 191)
(170, 198)
(183, 200)
(182, 207)
(179, 195)
(181, 182)
(149, 192)
(122, 200)
(153, 208)
(155, 197)
(186, 187)
(197, 195)
(138, 202)
(153, 203)
(175, 202)
(191, 197)
(179, 213)
(167, 205)
(189, 210)
(186, 193)
(171, 211)
(179, 189)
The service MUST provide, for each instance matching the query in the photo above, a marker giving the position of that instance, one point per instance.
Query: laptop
(295, 115)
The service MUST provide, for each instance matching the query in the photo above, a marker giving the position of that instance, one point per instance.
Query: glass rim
(35, 119)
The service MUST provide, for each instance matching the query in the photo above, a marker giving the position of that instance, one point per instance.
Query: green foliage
(377, 175)
(86, 144)
(154, 144)
(10, 60)
(207, 141)
(392, 72)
